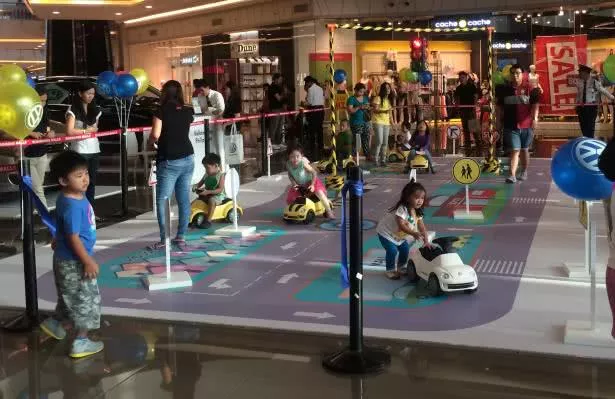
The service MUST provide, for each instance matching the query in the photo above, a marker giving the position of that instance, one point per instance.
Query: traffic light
(418, 54)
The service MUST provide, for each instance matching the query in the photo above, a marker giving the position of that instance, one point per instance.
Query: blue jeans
(174, 175)
(392, 250)
(518, 139)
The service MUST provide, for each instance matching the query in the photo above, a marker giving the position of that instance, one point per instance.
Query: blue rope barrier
(356, 187)
(26, 184)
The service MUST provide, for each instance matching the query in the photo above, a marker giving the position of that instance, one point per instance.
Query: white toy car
(442, 268)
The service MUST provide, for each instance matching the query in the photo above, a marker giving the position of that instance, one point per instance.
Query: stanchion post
(356, 359)
(264, 144)
(124, 169)
(206, 136)
(34, 372)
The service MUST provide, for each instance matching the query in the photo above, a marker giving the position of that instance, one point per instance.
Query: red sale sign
(557, 62)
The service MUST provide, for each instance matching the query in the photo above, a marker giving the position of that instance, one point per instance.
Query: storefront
(188, 69)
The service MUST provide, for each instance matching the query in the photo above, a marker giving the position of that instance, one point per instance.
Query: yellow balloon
(142, 79)
(506, 72)
(11, 73)
(20, 109)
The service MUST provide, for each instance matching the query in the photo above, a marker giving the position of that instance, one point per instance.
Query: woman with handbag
(174, 159)
(358, 110)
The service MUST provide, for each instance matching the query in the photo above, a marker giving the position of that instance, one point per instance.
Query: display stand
(590, 332)
(453, 132)
(577, 270)
(231, 182)
(269, 178)
(170, 279)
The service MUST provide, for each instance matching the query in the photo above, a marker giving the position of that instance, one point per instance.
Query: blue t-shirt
(74, 216)
(358, 118)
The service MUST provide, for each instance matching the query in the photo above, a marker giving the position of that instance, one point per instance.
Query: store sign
(559, 57)
(510, 45)
(244, 49)
(462, 23)
(189, 59)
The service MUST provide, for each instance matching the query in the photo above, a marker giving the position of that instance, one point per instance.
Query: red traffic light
(417, 43)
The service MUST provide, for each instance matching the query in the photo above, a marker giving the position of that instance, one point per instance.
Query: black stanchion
(206, 136)
(124, 170)
(264, 140)
(31, 318)
(356, 359)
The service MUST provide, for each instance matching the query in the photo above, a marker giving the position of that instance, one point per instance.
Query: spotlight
(584, 11)
(538, 15)
(577, 11)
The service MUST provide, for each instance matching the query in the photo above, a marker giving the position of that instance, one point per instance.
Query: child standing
(301, 174)
(74, 269)
(344, 142)
(420, 143)
(403, 221)
(211, 187)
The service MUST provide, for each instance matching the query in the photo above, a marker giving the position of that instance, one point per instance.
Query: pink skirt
(294, 194)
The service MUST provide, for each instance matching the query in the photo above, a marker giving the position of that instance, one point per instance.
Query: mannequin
(533, 78)
(367, 82)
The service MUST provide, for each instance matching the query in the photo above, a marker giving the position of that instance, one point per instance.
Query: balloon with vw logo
(20, 109)
(575, 171)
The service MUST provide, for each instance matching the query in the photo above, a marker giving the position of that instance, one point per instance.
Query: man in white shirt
(588, 97)
(212, 106)
(315, 99)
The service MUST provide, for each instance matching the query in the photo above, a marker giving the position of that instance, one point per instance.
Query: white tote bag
(233, 147)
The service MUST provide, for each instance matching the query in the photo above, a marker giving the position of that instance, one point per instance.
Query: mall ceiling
(129, 11)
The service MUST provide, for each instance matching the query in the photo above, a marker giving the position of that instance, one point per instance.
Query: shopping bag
(233, 147)
(152, 181)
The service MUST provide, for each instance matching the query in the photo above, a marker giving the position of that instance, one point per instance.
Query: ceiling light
(182, 11)
(356, 20)
(538, 15)
(584, 11)
(118, 13)
(398, 22)
(148, 7)
(55, 12)
(529, 15)
(390, 23)
(561, 12)
(582, 26)
(518, 15)
(548, 22)
(577, 11)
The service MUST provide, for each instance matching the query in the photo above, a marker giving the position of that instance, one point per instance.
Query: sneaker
(523, 175)
(53, 328)
(392, 275)
(511, 180)
(83, 347)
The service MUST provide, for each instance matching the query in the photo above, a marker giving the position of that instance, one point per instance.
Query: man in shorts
(516, 118)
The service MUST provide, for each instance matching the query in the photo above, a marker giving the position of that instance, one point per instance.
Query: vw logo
(587, 152)
(34, 116)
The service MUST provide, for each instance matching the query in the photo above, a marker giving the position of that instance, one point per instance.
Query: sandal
(392, 275)
(329, 215)
(156, 246)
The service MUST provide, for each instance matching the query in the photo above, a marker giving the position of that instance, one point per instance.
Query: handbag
(606, 160)
(233, 146)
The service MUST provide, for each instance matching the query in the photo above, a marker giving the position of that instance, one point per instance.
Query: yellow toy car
(334, 183)
(304, 209)
(224, 211)
(395, 155)
(419, 163)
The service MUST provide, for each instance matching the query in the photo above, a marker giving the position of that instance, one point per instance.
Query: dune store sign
(462, 23)
(244, 49)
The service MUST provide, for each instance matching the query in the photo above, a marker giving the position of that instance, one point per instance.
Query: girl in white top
(403, 223)
(82, 118)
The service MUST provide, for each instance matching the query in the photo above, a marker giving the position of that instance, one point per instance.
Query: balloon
(20, 109)
(413, 77)
(425, 77)
(31, 82)
(402, 74)
(506, 72)
(608, 68)
(105, 83)
(11, 73)
(125, 86)
(339, 76)
(498, 78)
(575, 171)
(142, 79)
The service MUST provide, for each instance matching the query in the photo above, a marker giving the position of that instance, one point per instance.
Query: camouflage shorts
(78, 298)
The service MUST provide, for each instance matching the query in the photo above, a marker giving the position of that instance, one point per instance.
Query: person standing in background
(212, 107)
(314, 100)
(588, 97)
(277, 101)
(466, 96)
(37, 154)
(82, 118)
(232, 106)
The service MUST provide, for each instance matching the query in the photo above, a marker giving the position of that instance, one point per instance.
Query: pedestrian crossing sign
(466, 171)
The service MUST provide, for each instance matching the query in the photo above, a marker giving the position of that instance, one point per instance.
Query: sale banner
(557, 62)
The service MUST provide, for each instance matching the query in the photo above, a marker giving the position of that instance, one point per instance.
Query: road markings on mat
(496, 266)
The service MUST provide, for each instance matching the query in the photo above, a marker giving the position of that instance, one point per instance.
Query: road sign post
(453, 132)
(231, 186)
(467, 171)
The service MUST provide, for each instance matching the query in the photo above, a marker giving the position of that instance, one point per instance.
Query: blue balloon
(125, 86)
(31, 82)
(105, 82)
(425, 77)
(574, 169)
(339, 76)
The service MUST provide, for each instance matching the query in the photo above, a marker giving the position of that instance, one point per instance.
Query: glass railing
(15, 11)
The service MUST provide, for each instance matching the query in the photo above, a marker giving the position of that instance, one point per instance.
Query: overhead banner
(557, 63)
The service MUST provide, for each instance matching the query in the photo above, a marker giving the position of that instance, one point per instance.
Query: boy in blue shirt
(74, 269)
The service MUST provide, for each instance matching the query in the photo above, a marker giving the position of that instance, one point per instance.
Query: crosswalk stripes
(498, 266)
(528, 200)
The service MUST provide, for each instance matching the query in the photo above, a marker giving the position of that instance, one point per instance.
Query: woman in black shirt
(175, 157)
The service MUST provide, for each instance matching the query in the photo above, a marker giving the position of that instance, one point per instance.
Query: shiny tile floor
(158, 360)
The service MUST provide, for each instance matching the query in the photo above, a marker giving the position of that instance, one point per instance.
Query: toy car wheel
(473, 290)
(309, 218)
(393, 158)
(412, 275)
(198, 220)
(230, 215)
(433, 286)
